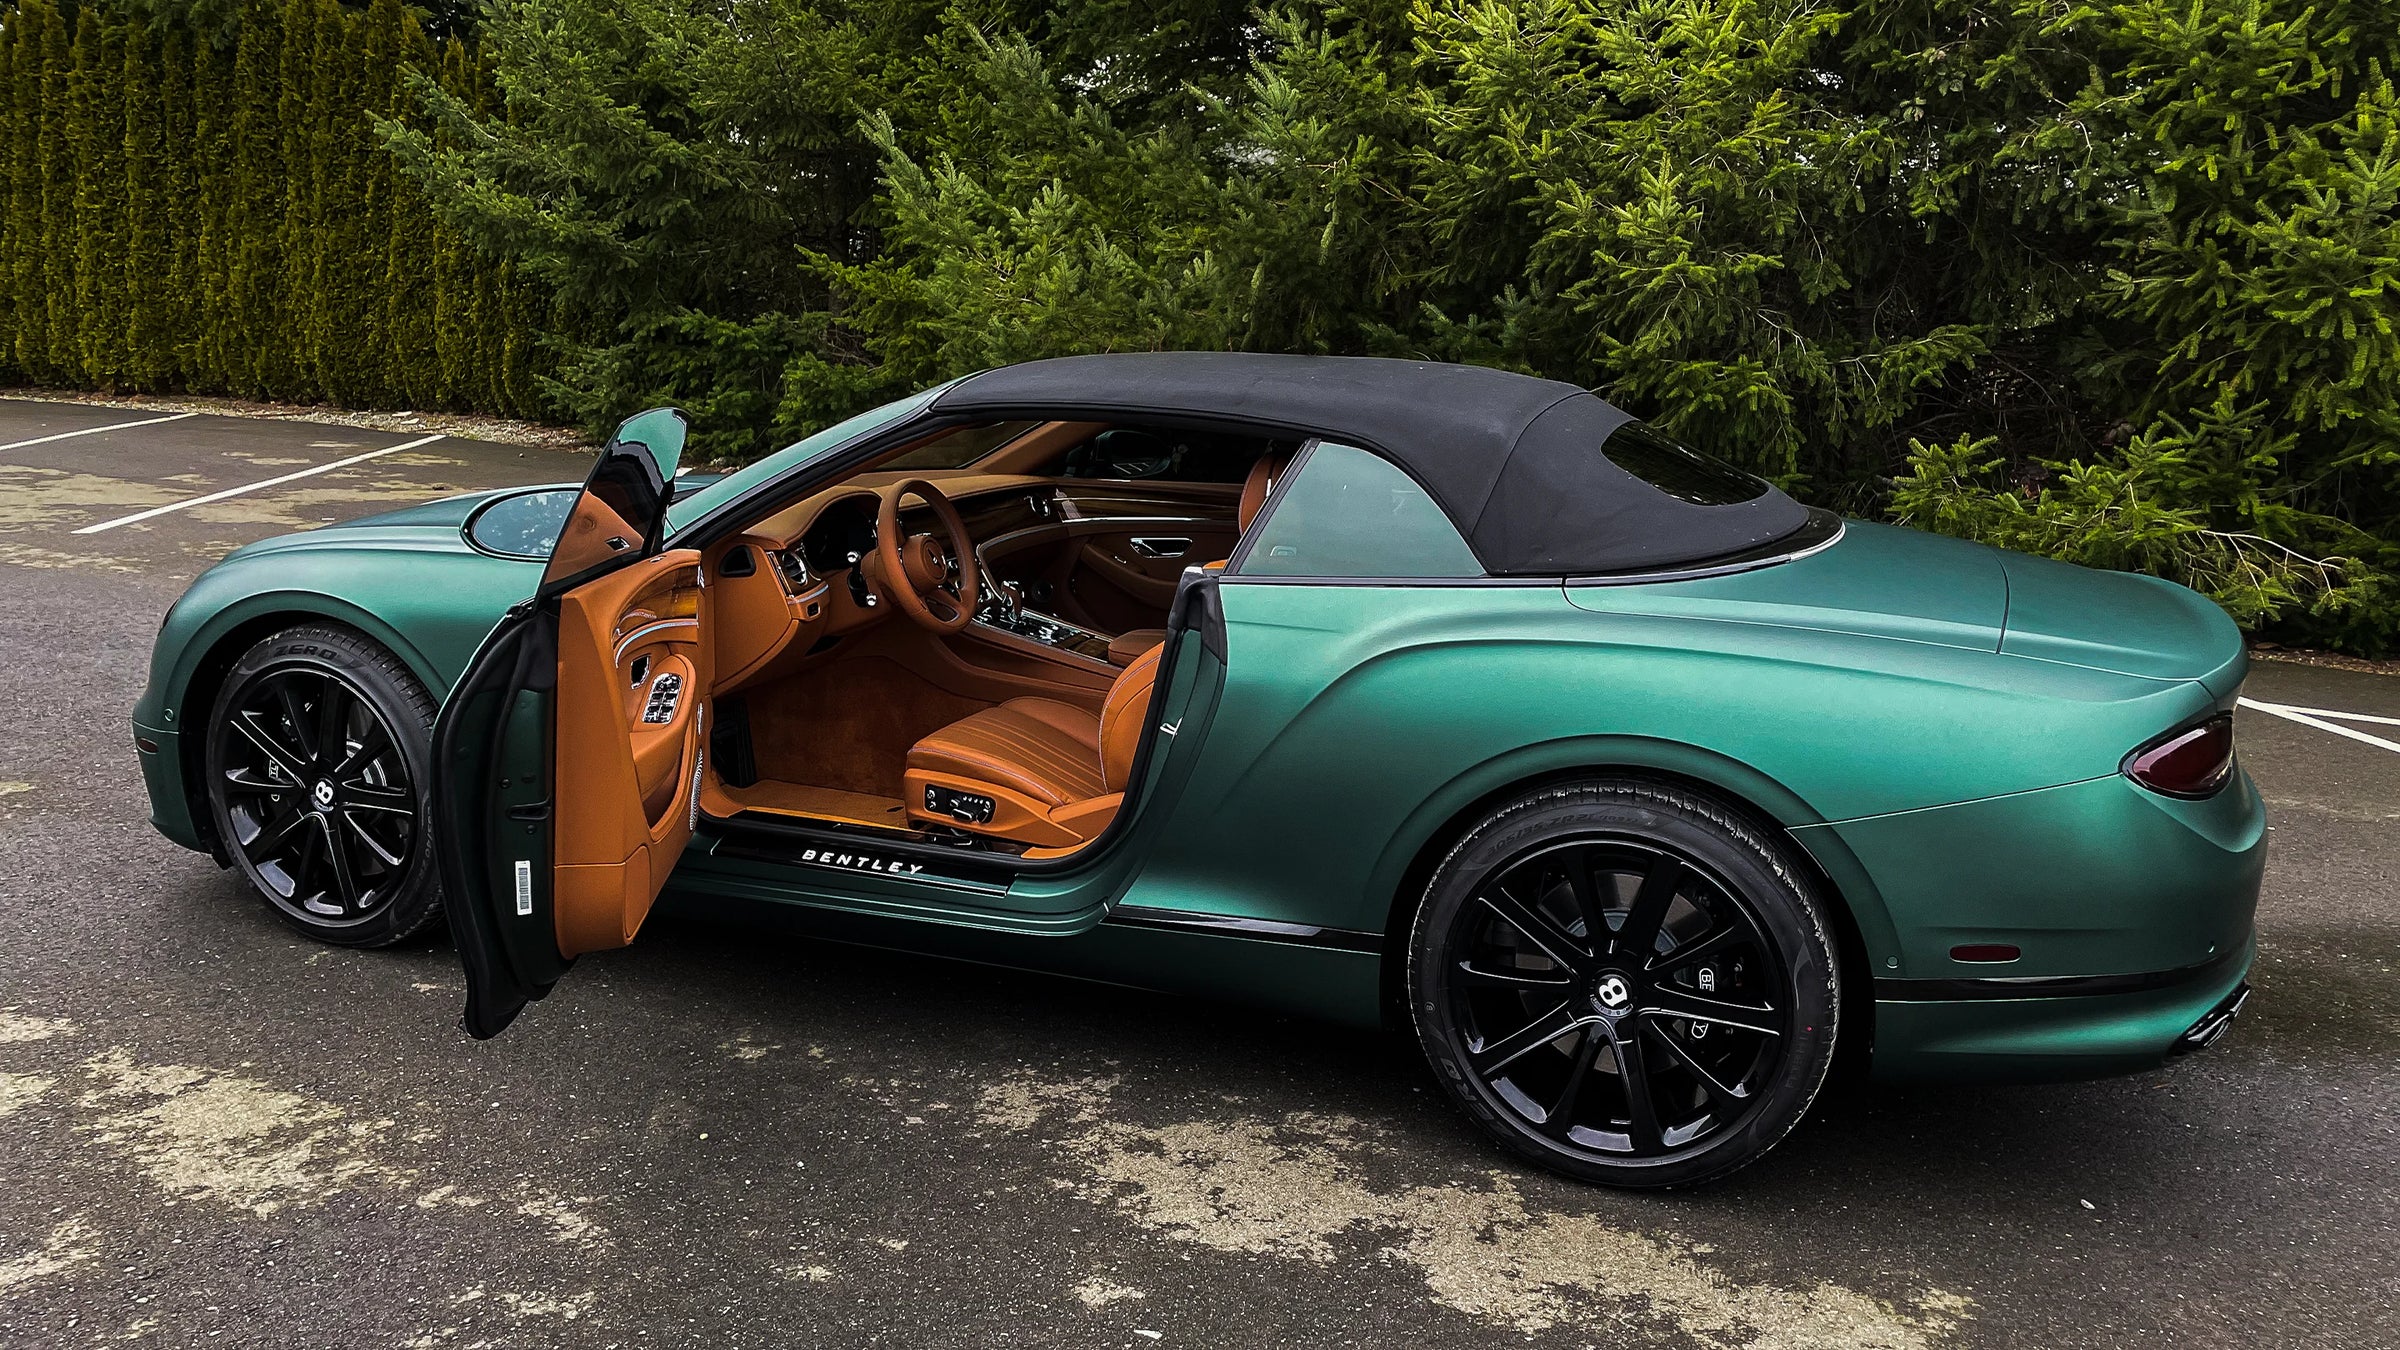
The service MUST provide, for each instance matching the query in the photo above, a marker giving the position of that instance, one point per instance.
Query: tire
(1727, 1013)
(318, 776)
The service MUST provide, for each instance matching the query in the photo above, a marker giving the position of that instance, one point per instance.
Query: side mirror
(661, 433)
(622, 513)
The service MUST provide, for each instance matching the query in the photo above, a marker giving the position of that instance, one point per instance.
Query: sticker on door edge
(524, 888)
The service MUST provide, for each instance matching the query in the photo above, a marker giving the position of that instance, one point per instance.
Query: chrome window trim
(647, 629)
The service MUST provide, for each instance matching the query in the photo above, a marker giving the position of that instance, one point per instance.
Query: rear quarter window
(1349, 512)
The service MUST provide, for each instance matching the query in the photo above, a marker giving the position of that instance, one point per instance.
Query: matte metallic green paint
(405, 578)
(1938, 725)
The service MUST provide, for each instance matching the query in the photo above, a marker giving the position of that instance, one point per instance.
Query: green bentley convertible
(1371, 690)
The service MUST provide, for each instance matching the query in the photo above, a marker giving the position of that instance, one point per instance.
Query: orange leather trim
(1055, 773)
(751, 618)
(660, 752)
(1125, 647)
(1087, 819)
(584, 540)
(1256, 487)
(1121, 719)
(802, 800)
(615, 842)
(1044, 751)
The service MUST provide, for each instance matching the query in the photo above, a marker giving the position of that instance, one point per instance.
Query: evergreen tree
(211, 346)
(177, 188)
(296, 234)
(61, 358)
(2118, 284)
(324, 286)
(149, 251)
(409, 261)
(453, 283)
(257, 356)
(367, 242)
(101, 206)
(13, 104)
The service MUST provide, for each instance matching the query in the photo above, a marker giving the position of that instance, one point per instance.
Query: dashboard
(842, 534)
(795, 580)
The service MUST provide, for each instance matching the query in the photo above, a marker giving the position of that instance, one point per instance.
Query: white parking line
(94, 431)
(262, 483)
(2317, 717)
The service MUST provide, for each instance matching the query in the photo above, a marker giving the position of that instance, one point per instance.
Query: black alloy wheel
(1625, 982)
(317, 762)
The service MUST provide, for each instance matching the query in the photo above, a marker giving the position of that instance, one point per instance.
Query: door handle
(1157, 547)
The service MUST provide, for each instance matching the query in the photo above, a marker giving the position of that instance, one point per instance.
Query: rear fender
(1437, 820)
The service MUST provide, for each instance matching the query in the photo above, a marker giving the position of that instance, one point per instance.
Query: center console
(999, 607)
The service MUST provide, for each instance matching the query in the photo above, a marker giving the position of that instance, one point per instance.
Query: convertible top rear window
(1678, 470)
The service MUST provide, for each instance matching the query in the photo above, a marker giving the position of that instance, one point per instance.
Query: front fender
(428, 605)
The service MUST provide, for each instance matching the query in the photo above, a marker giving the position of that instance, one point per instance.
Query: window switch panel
(665, 692)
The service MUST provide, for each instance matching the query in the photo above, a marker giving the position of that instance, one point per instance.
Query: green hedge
(2116, 281)
(194, 198)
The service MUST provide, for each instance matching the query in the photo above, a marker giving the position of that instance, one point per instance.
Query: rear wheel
(1625, 982)
(318, 755)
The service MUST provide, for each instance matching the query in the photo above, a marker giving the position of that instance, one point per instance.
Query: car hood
(434, 524)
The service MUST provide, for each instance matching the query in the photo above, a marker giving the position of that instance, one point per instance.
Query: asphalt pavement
(213, 1133)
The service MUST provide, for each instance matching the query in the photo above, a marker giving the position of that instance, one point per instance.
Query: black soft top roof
(1516, 462)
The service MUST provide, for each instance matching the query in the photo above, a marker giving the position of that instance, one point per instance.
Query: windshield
(783, 461)
(959, 448)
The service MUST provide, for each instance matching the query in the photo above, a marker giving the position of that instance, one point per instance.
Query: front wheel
(319, 758)
(1625, 982)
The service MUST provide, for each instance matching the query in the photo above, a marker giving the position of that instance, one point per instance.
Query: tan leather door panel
(627, 748)
(1125, 578)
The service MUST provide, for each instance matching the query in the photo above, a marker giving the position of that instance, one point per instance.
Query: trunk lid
(2119, 621)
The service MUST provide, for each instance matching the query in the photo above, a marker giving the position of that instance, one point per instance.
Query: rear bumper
(2055, 1029)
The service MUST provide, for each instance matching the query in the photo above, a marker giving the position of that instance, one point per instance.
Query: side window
(1132, 454)
(1351, 513)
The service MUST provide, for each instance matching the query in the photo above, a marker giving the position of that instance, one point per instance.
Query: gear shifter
(1000, 605)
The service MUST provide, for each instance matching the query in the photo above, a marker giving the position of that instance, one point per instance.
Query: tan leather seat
(1127, 647)
(1255, 490)
(1055, 774)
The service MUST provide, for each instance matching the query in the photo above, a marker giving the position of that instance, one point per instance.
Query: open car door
(567, 759)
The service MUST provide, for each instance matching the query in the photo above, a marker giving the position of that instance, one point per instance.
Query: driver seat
(1042, 772)
(1034, 770)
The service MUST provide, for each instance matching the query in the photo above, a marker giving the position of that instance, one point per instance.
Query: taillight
(2193, 762)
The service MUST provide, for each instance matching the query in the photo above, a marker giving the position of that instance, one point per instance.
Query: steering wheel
(919, 572)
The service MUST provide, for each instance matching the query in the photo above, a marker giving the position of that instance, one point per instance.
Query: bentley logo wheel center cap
(323, 794)
(1613, 992)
